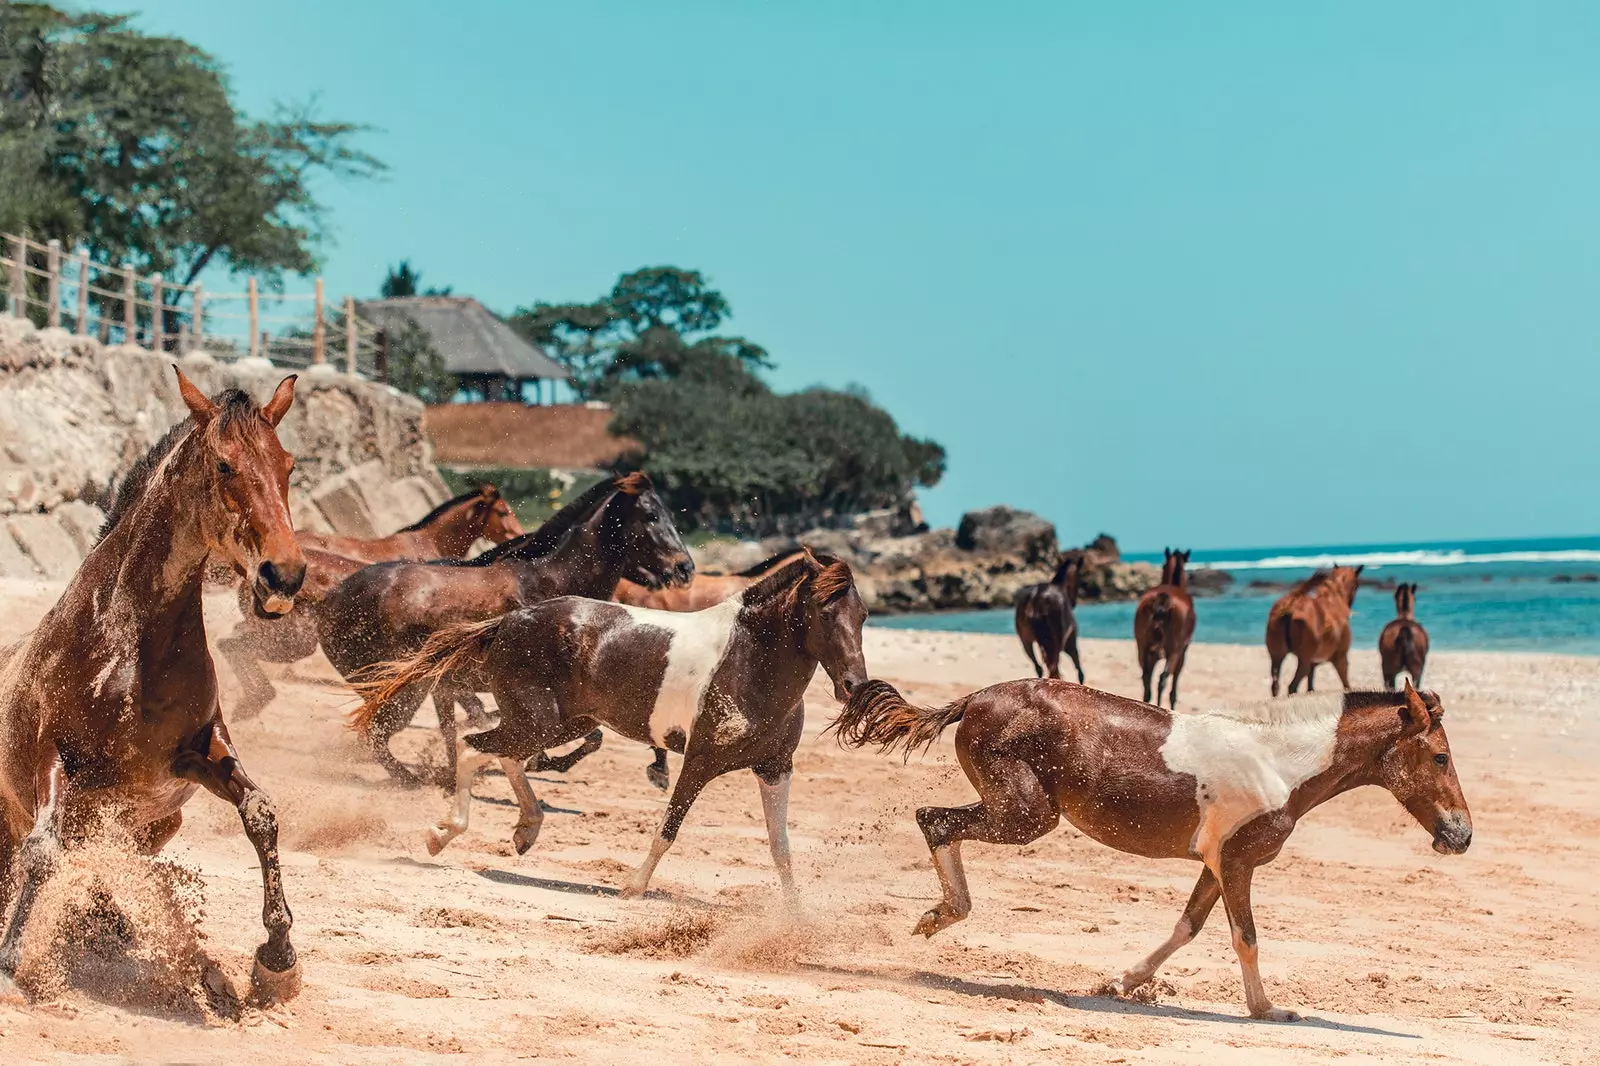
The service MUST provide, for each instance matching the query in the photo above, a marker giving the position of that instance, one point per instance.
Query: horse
(1224, 786)
(705, 590)
(722, 686)
(447, 532)
(1163, 625)
(387, 611)
(1044, 617)
(1313, 621)
(1403, 644)
(109, 708)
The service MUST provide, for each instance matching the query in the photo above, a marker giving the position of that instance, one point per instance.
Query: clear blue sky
(1213, 275)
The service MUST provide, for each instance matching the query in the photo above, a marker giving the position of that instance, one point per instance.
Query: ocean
(1499, 595)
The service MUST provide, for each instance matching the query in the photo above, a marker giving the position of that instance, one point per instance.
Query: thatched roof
(469, 336)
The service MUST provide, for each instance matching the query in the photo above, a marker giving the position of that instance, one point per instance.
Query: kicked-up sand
(1392, 952)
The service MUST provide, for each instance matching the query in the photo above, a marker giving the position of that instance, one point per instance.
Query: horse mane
(768, 563)
(1275, 713)
(454, 501)
(1068, 560)
(634, 484)
(1326, 575)
(830, 579)
(235, 404)
(544, 540)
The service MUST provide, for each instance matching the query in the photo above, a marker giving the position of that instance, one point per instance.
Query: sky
(1216, 275)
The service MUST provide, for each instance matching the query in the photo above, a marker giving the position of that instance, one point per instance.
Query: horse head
(834, 614)
(499, 520)
(654, 553)
(1405, 600)
(245, 471)
(1418, 770)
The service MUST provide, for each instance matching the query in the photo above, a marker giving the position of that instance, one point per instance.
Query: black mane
(543, 540)
(767, 564)
(439, 510)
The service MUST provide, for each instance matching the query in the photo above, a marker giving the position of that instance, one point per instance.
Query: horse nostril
(285, 581)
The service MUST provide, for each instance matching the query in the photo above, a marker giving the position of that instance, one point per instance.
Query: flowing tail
(1286, 621)
(1160, 608)
(876, 713)
(1406, 648)
(443, 653)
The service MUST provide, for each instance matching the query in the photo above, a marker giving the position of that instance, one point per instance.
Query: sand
(1391, 951)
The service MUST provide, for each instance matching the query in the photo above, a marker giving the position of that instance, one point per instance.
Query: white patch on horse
(1246, 761)
(697, 642)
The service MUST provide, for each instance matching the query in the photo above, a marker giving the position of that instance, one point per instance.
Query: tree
(417, 367)
(404, 281)
(130, 144)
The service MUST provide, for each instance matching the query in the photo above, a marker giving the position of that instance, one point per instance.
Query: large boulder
(1007, 531)
(46, 543)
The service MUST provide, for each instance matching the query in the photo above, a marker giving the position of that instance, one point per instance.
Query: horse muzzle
(275, 587)
(1452, 834)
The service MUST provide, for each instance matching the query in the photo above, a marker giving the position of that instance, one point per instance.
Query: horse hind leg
(530, 814)
(1072, 653)
(391, 718)
(240, 651)
(456, 820)
(1302, 672)
(1014, 809)
(39, 855)
(1204, 897)
(560, 764)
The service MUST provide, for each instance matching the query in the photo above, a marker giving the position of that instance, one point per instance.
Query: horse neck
(454, 532)
(588, 561)
(1406, 609)
(777, 625)
(1363, 736)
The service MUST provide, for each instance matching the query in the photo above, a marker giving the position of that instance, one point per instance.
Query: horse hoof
(10, 993)
(657, 778)
(436, 840)
(1278, 1014)
(930, 923)
(631, 890)
(272, 986)
(522, 839)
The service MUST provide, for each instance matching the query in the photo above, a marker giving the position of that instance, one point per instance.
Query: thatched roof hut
(486, 355)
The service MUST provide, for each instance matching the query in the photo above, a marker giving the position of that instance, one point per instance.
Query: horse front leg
(1204, 897)
(39, 855)
(1236, 876)
(211, 761)
(1072, 653)
(696, 773)
(774, 782)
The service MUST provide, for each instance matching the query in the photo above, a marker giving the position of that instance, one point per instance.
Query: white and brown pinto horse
(1224, 786)
(722, 686)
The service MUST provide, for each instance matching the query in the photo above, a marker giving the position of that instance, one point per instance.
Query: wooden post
(316, 328)
(383, 355)
(255, 314)
(197, 316)
(156, 301)
(349, 334)
(19, 279)
(130, 310)
(82, 329)
(53, 265)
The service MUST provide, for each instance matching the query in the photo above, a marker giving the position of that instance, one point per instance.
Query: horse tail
(1405, 647)
(444, 652)
(1160, 611)
(1286, 623)
(876, 713)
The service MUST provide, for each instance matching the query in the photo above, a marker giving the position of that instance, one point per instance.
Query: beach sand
(1391, 951)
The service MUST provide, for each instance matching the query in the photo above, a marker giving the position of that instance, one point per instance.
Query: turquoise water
(1480, 595)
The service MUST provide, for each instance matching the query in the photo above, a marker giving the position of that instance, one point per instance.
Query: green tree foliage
(417, 367)
(403, 280)
(130, 144)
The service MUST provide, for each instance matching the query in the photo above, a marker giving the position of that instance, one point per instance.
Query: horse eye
(1442, 759)
(224, 468)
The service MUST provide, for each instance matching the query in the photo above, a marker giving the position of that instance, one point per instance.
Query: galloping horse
(1225, 786)
(110, 706)
(704, 590)
(1403, 644)
(723, 686)
(1313, 621)
(447, 532)
(619, 528)
(1044, 617)
(1163, 624)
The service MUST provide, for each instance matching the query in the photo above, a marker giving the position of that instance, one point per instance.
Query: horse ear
(1186, 553)
(1414, 712)
(282, 400)
(199, 406)
(488, 491)
(1360, 568)
(1166, 554)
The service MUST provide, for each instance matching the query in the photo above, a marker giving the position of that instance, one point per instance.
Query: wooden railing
(68, 290)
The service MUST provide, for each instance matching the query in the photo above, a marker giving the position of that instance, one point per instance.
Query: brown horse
(704, 590)
(1403, 644)
(1044, 617)
(619, 528)
(722, 686)
(1163, 625)
(109, 708)
(1313, 621)
(447, 532)
(1226, 787)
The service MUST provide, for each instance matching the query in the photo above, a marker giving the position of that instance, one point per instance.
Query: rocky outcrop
(74, 416)
(1006, 531)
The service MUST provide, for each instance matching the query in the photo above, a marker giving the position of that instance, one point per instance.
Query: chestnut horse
(447, 532)
(1403, 644)
(1163, 625)
(722, 686)
(1226, 786)
(109, 708)
(705, 590)
(1313, 621)
(1044, 617)
(387, 611)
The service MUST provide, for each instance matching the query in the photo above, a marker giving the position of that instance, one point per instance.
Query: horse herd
(1311, 620)
(110, 707)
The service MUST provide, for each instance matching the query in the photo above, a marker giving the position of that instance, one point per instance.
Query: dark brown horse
(1044, 617)
(1403, 644)
(1226, 787)
(1163, 625)
(109, 708)
(722, 686)
(619, 528)
(447, 532)
(1312, 620)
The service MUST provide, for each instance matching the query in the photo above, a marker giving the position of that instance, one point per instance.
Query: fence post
(53, 266)
(316, 329)
(197, 316)
(255, 313)
(130, 310)
(157, 299)
(350, 335)
(19, 279)
(82, 329)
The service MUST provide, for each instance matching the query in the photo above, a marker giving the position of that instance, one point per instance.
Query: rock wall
(74, 416)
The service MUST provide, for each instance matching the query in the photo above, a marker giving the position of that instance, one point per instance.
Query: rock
(408, 501)
(901, 521)
(304, 514)
(341, 503)
(730, 557)
(46, 543)
(1006, 531)
(82, 522)
(12, 562)
(433, 490)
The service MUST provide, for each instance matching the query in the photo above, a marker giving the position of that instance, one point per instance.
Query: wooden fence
(68, 290)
